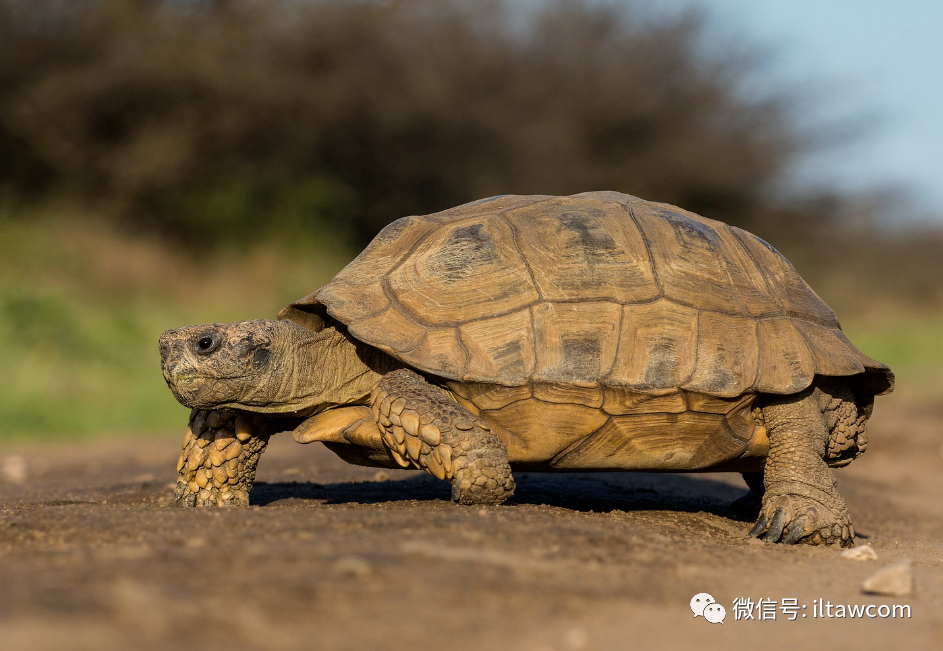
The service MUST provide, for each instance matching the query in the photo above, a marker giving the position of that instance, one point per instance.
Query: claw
(759, 527)
(796, 531)
(776, 526)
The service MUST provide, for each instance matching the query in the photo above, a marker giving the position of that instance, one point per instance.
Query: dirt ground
(93, 555)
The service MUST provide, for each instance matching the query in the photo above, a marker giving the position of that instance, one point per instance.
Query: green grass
(82, 306)
(911, 343)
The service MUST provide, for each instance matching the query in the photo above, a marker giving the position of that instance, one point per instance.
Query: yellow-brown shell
(599, 288)
(620, 314)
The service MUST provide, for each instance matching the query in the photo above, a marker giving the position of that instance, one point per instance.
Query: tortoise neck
(332, 368)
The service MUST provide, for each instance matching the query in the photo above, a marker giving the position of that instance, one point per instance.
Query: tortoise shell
(597, 330)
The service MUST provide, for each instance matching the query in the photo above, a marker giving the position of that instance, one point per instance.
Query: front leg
(801, 501)
(422, 425)
(219, 458)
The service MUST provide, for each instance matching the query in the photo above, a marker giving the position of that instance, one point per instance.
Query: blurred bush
(272, 138)
(218, 120)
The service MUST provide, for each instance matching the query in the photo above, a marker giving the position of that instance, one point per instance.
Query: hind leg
(801, 500)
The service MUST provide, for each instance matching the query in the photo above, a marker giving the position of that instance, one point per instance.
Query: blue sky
(877, 63)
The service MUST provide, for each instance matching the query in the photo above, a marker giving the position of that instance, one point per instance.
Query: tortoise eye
(207, 343)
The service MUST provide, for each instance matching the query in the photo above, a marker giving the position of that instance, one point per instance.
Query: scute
(464, 271)
(599, 289)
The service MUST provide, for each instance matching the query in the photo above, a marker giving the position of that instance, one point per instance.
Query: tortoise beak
(170, 354)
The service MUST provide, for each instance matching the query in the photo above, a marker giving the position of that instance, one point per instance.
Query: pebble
(14, 469)
(352, 566)
(895, 580)
(860, 553)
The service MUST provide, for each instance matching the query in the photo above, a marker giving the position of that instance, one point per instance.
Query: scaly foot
(219, 458)
(793, 518)
(423, 426)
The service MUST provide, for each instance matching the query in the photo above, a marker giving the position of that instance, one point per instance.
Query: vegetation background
(168, 162)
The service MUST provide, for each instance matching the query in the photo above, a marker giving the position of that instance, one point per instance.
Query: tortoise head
(250, 365)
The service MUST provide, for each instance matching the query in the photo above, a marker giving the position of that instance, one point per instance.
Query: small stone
(895, 580)
(576, 638)
(352, 566)
(381, 475)
(860, 553)
(14, 469)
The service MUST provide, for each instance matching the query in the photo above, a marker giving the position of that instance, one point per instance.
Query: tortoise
(592, 332)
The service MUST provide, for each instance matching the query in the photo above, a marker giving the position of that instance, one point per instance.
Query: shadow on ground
(585, 492)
